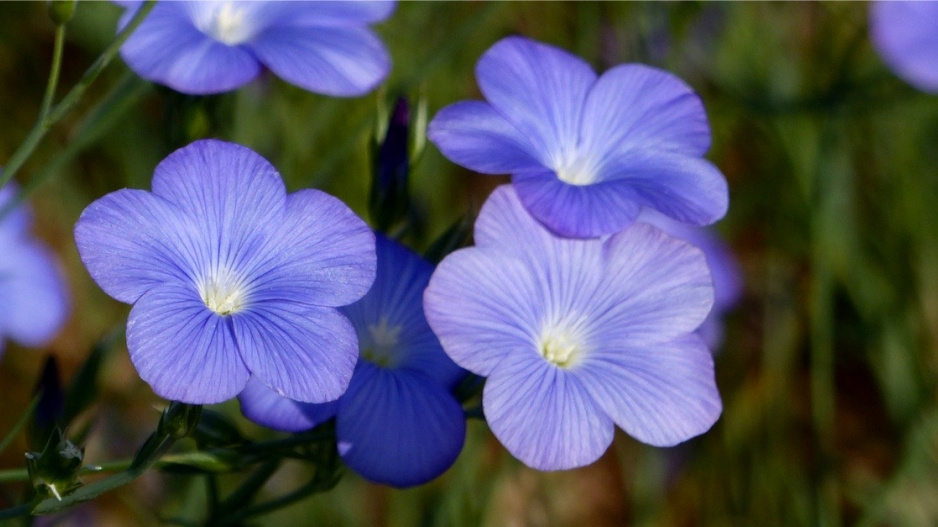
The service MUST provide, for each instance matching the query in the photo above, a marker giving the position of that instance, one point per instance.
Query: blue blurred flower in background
(585, 153)
(230, 277)
(33, 297)
(577, 335)
(724, 269)
(397, 423)
(906, 36)
(216, 46)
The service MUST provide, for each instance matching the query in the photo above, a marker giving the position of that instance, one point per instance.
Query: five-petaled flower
(575, 336)
(230, 277)
(906, 36)
(33, 298)
(398, 423)
(216, 46)
(585, 153)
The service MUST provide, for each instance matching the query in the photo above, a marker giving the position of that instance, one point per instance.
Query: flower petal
(544, 415)
(306, 353)
(540, 89)
(169, 49)
(474, 135)
(660, 394)
(504, 223)
(183, 350)
(131, 241)
(688, 189)
(395, 301)
(336, 61)
(577, 211)
(398, 427)
(904, 34)
(339, 13)
(263, 406)
(636, 106)
(655, 288)
(320, 253)
(234, 194)
(479, 301)
(34, 302)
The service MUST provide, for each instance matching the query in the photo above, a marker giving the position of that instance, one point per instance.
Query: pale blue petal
(234, 195)
(474, 135)
(338, 61)
(395, 304)
(906, 35)
(16, 222)
(633, 106)
(544, 415)
(33, 298)
(183, 350)
(577, 211)
(660, 394)
(504, 223)
(654, 288)
(169, 49)
(328, 13)
(305, 353)
(399, 428)
(131, 241)
(541, 90)
(688, 189)
(319, 253)
(483, 304)
(263, 406)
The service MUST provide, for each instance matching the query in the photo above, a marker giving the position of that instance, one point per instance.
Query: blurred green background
(828, 366)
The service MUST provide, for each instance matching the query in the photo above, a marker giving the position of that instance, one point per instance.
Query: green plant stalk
(55, 113)
(53, 82)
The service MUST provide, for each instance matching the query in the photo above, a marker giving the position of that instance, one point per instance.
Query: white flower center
(226, 22)
(224, 293)
(382, 344)
(560, 349)
(581, 171)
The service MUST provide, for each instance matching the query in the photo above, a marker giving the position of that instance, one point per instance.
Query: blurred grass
(829, 364)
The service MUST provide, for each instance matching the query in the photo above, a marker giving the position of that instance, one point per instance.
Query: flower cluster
(216, 46)
(574, 303)
(33, 299)
(577, 334)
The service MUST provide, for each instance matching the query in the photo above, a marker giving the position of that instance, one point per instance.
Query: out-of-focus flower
(398, 423)
(724, 269)
(585, 153)
(33, 297)
(216, 46)
(230, 277)
(906, 36)
(576, 336)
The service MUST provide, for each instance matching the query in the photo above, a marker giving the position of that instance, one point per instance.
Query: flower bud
(61, 11)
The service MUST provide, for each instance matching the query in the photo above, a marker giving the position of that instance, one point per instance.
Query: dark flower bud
(179, 419)
(55, 470)
(390, 200)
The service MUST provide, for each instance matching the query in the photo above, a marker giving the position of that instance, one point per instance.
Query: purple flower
(214, 46)
(230, 277)
(33, 298)
(727, 277)
(906, 36)
(577, 335)
(585, 153)
(398, 423)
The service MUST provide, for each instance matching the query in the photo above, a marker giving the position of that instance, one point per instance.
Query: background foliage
(828, 366)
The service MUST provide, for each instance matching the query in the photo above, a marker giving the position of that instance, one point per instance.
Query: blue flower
(575, 336)
(216, 46)
(906, 35)
(727, 276)
(33, 298)
(230, 277)
(585, 153)
(398, 423)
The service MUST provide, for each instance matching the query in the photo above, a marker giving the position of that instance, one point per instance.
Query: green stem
(53, 72)
(54, 114)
